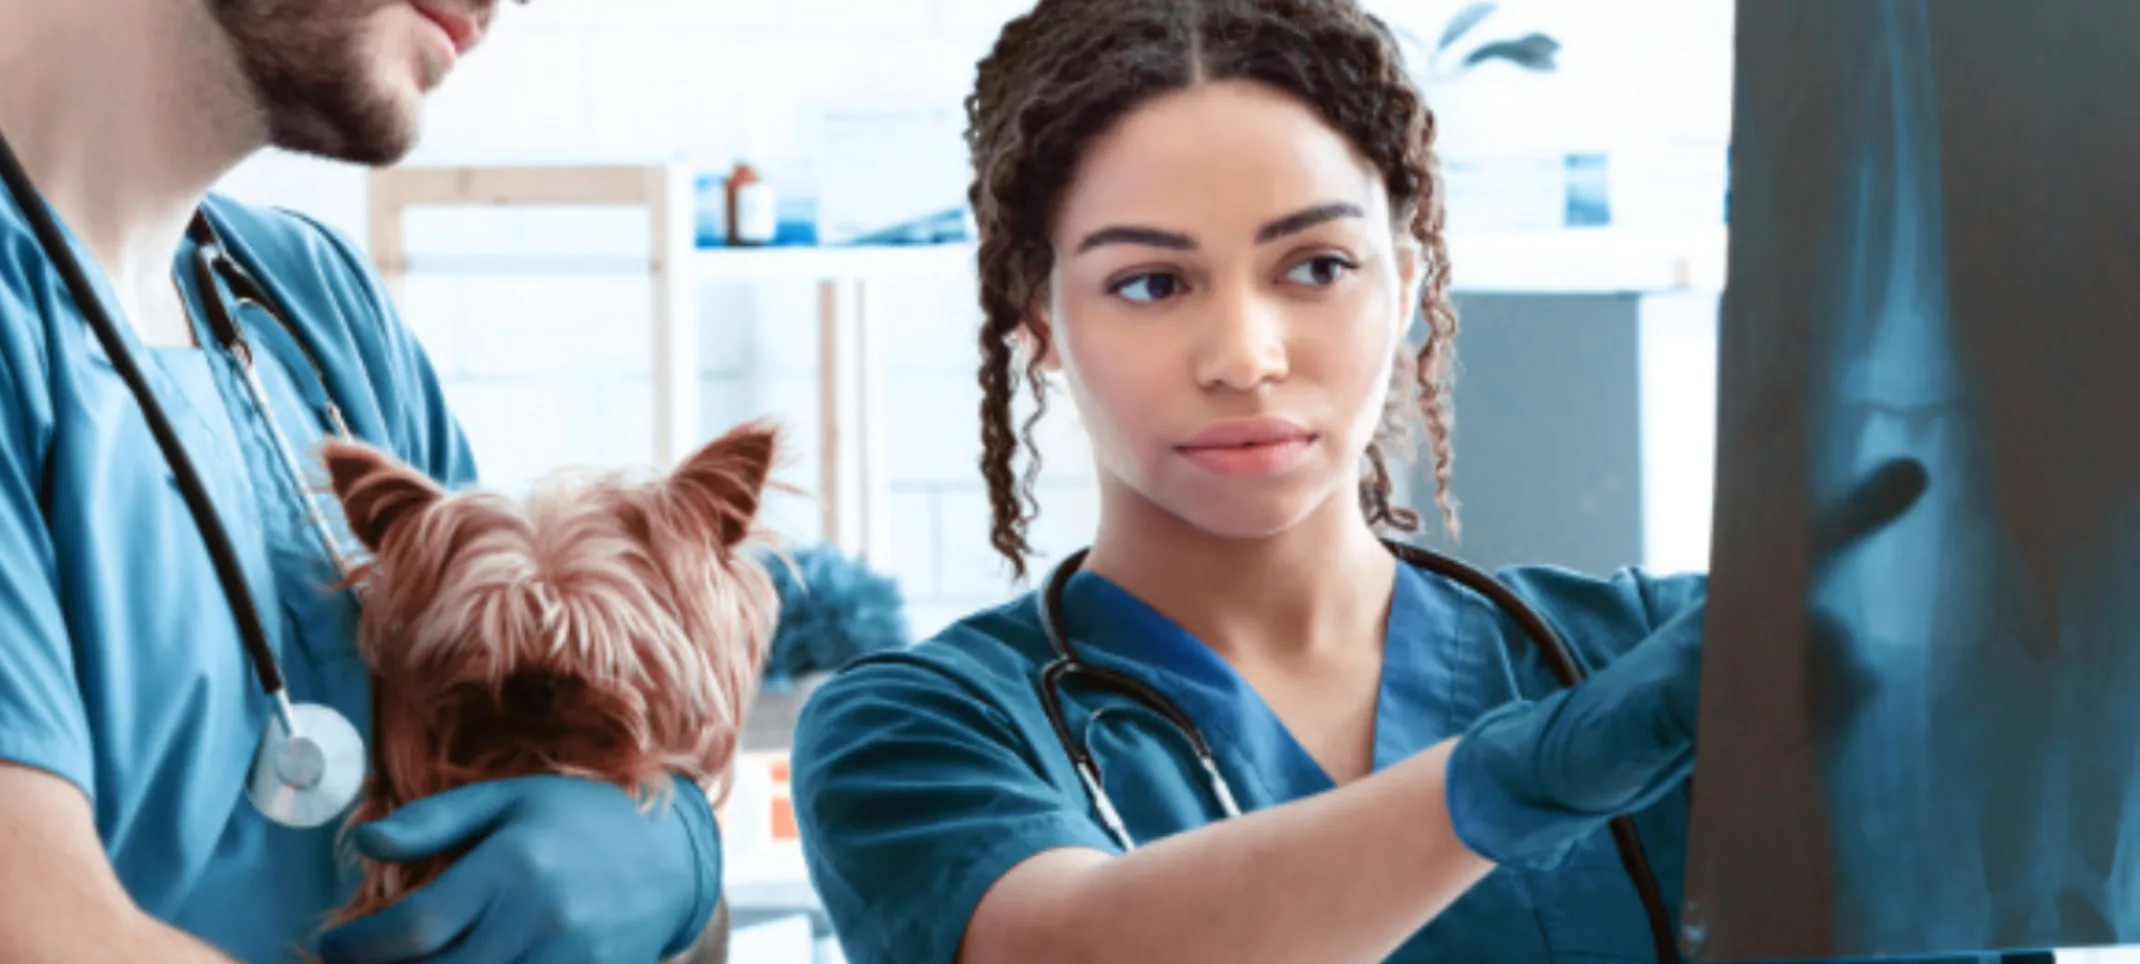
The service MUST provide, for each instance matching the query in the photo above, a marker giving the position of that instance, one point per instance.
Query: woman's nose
(1244, 344)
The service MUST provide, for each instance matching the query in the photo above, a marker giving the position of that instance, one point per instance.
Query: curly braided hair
(1064, 72)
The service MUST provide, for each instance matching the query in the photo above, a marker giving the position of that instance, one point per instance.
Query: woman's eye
(1148, 287)
(1319, 271)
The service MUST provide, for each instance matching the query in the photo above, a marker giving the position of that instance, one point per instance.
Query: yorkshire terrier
(606, 629)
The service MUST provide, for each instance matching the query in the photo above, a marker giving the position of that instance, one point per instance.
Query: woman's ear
(378, 492)
(1036, 340)
(1411, 277)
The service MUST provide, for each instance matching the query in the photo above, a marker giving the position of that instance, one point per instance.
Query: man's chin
(362, 155)
(374, 142)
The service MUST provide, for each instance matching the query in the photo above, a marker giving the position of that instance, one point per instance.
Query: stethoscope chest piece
(310, 778)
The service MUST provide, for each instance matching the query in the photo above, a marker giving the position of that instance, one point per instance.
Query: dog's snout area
(527, 695)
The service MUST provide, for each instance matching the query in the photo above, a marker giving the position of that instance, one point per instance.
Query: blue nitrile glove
(562, 869)
(1529, 779)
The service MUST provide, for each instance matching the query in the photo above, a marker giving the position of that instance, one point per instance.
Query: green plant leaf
(1531, 52)
(1462, 23)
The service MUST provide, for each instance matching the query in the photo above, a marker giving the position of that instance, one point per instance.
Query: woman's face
(1227, 300)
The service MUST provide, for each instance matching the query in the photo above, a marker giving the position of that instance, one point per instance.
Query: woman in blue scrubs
(1212, 223)
(129, 713)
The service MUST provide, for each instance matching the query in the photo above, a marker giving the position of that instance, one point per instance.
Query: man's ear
(378, 492)
(716, 492)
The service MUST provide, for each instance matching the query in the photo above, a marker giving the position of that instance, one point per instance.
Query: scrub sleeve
(918, 781)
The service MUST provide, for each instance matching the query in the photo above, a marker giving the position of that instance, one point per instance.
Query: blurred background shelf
(853, 489)
(849, 262)
(1604, 260)
(1567, 261)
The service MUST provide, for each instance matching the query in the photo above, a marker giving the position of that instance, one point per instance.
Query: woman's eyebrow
(1303, 220)
(1293, 223)
(1127, 234)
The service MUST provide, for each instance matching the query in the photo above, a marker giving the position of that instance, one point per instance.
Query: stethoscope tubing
(1065, 665)
(301, 738)
(221, 552)
(223, 320)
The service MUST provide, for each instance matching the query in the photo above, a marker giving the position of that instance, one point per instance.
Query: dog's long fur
(605, 629)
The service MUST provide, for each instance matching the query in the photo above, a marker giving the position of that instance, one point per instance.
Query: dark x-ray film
(1920, 721)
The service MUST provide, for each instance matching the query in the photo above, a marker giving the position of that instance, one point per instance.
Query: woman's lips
(1249, 447)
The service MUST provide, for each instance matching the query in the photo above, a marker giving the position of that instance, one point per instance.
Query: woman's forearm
(1344, 876)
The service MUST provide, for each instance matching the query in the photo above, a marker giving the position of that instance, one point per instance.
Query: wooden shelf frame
(854, 481)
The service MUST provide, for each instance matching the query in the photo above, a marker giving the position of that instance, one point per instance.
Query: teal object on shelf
(709, 210)
(943, 227)
(797, 221)
(1589, 194)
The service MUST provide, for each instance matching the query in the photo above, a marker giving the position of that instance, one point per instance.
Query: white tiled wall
(547, 365)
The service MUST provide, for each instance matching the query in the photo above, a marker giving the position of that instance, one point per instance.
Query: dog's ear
(718, 489)
(377, 490)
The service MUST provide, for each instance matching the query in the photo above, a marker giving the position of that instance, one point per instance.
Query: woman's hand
(1529, 779)
(560, 869)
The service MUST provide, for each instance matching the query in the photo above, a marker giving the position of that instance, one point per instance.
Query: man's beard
(305, 64)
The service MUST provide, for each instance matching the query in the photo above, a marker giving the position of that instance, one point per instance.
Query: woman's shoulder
(922, 775)
(1632, 593)
(981, 664)
(1000, 640)
(1598, 615)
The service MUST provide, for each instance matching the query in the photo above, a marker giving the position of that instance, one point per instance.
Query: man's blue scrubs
(121, 670)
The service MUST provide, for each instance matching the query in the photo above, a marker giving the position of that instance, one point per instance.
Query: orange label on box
(783, 804)
(762, 803)
(784, 827)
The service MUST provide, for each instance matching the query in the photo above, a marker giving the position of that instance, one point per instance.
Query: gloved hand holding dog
(558, 869)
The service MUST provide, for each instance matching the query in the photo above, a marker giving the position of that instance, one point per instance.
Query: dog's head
(603, 628)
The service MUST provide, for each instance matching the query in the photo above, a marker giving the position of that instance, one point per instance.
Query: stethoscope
(309, 764)
(1066, 666)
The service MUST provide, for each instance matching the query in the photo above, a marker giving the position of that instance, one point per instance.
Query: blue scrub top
(921, 776)
(122, 670)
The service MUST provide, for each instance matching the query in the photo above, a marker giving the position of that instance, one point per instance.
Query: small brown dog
(603, 629)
